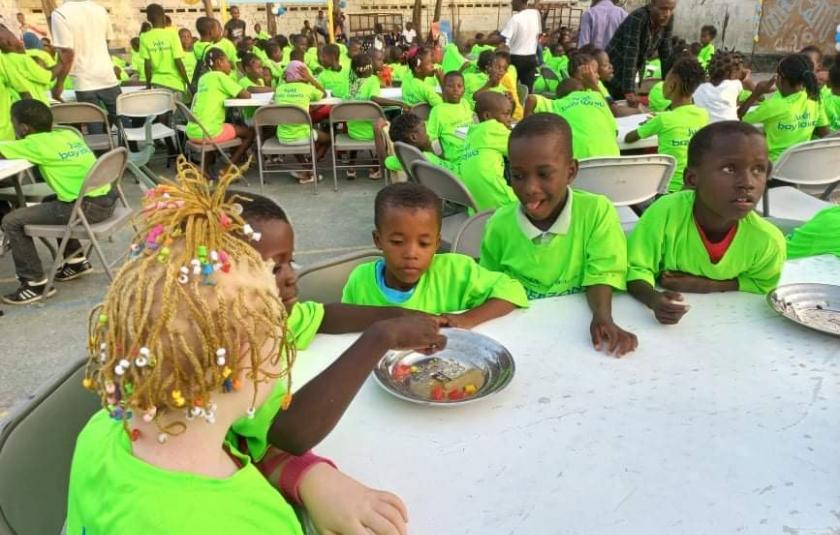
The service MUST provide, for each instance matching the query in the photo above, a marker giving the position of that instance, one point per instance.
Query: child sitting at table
(254, 79)
(793, 116)
(719, 96)
(448, 117)
(676, 127)
(22, 73)
(656, 98)
(819, 236)
(491, 70)
(381, 69)
(148, 442)
(162, 54)
(420, 82)
(709, 238)
(210, 36)
(482, 164)
(214, 87)
(557, 240)
(410, 129)
(64, 160)
(407, 217)
(594, 128)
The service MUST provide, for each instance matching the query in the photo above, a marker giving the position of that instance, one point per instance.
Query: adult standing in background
(81, 30)
(645, 30)
(235, 27)
(321, 25)
(599, 23)
(521, 33)
(409, 34)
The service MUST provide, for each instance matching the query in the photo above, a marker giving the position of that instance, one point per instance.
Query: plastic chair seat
(275, 146)
(105, 228)
(627, 217)
(159, 131)
(345, 142)
(787, 202)
(208, 147)
(450, 226)
(31, 192)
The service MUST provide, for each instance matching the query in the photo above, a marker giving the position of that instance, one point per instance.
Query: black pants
(526, 69)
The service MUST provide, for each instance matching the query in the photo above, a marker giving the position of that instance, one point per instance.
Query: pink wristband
(293, 472)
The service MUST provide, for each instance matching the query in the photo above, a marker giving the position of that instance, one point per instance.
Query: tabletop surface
(13, 167)
(728, 422)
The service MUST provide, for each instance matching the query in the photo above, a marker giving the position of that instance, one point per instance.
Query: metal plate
(816, 306)
(467, 355)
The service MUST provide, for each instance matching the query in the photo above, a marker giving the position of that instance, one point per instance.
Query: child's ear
(690, 177)
(573, 170)
(377, 240)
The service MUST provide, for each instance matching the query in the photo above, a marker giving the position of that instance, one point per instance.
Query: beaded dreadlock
(167, 336)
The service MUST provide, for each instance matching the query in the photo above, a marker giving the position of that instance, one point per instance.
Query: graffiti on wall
(789, 25)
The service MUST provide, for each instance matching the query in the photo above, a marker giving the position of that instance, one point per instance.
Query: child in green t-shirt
(556, 240)
(707, 38)
(254, 79)
(491, 70)
(396, 61)
(407, 218)
(819, 236)
(795, 114)
(452, 114)
(558, 63)
(709, 238)
(136, 60)
(831, 97)
(210, 35)
(25, 75)
(419, 84)
(64, 160)
(187, 44)
(676, 127)
(482, 164)
(412, 130)
(162, 54)
(333, 76)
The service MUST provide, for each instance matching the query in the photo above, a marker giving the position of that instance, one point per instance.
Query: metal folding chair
(271, 116)
(78, 113)
(325, 282)
(148, 105)
(207, 144)
(407, 155)
(450, 190)
(468, 239)
(352, 111)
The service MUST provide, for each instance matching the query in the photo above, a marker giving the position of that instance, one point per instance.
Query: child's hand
(606, 335)
(340, 505)
(632, 100)
(588, 76)
(766, 86)
(421, 333)
(667, 307)
(457, 321)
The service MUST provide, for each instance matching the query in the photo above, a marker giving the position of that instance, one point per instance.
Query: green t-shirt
(452, 58)
(162, 47)
(398, 71)
(820, 235)
(27, 76)
(63, 158)
(453, 283)
(588, 247)
(666, 238)
(474, 81)
(299, 94)
(656, 98)
(303, 323)
(788, 120)
(224, 44)
(392, 163)
(416, 91)
(214, 87)
(477, 49)
(246, 84)
(138, 65)
(443, 122)
(482, 168)
(338, 82)
(594, 128)
(674, 129)
(189, 63)
(50, 62)
(147, 499)
(831, 104)
(7, 131)
(310, 58)
(705, 55)
(560, 66)
(363, 89)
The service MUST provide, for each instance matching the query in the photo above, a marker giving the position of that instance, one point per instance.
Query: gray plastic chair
(352, 111)
(422, 110)
(109, 169)
(37, 439)
(72, 113)
(451, 190)
(325, 282)
(271, 116)
(468, 239)
(208, 145)
(407, 155)
(147, 105)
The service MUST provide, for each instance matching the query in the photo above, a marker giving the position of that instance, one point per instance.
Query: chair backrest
(445, 184)
(145, 103)
(468, 239)
(407, 155)
(355, 111)
(813, 162)
(549, 74)
(522, 93)
(108, 169)
(325, 282)
(280, 114)
(79, 112)
(37, 440)
(626, 180)
(422, 110)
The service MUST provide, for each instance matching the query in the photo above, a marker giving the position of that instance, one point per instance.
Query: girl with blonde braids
(191, 337)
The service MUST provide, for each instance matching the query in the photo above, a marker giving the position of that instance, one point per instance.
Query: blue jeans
(104, 98)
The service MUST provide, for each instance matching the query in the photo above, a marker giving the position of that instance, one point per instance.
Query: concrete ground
(38, 341)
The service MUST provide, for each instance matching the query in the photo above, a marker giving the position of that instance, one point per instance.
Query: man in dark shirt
(235, 27)
(645, 30)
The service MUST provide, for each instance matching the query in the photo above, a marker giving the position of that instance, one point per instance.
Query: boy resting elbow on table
(64, 160)
(411, 130)
(408, 220)
(709, 238)
(556, 240)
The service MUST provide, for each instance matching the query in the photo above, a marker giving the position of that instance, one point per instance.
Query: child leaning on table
(411, 129)
(64, 160)
(708, 238)
(407, 217)
(556, 240)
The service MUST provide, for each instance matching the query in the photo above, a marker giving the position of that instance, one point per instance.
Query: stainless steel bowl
(465, 351)
(816, 306)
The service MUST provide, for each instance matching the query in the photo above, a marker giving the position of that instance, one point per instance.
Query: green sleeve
(430, 94)
(606, 251)
(373, 87)
(822, 116)
(229, 86)
(38, 74)
(543, 105)
(765, 272)
(392, 163)
(177, 49)
(819, 236)
(315, 93)
(304, 322)
(644, 247)
(358, 286)
(765, 111)
(483, 284)
(650, 128)
(144, 50)
(19, 149)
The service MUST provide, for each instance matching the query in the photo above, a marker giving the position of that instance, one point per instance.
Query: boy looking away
(162, 53)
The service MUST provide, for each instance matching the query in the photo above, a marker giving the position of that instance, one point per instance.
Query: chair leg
(59, 257)
(334, 166)
(101, 256)
(314, 157)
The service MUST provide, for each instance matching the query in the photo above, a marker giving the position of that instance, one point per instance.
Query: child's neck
(713, 227)
(681, 100)
(546, 223)
(395, 284)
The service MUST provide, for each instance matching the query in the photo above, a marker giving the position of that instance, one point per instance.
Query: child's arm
(147, 67)
(632, 136)
(761, 89)
(684, 282)
(319, 404)
(530, 104)
(603, 330)
(665, 304)
(491, 309)
(340, 318)
(646, 129)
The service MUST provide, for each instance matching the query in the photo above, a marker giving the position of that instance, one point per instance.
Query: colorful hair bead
(134, 250)
(184, 275)
(196, 266)
(220, 356)
(227, 385)
(110, 387)
(251, 413)
(224, 220)
(135, 434)
(87, 382)
(103, 319)
(163, 255)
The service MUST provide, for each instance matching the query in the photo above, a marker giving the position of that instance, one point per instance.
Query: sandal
(351, 174)
(375, 175)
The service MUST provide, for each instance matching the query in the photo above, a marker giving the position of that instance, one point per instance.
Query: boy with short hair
(162, 53)
(676, 127)
(556, 240)
(709, 238)
(412, 130)
(64, 160)
(407, 218)
(707, 42)
(210, 36)
(451, 115)
(187, 44)
(334, 77)
(482, 166)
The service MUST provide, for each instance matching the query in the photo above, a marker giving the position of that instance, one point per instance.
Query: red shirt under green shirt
(716, 250)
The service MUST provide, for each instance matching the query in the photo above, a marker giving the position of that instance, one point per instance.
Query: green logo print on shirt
(803, 120)
(75, 149)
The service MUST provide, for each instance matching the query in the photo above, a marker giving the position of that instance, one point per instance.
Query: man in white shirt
(409, 34)
(522, 33)
(81, 30)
